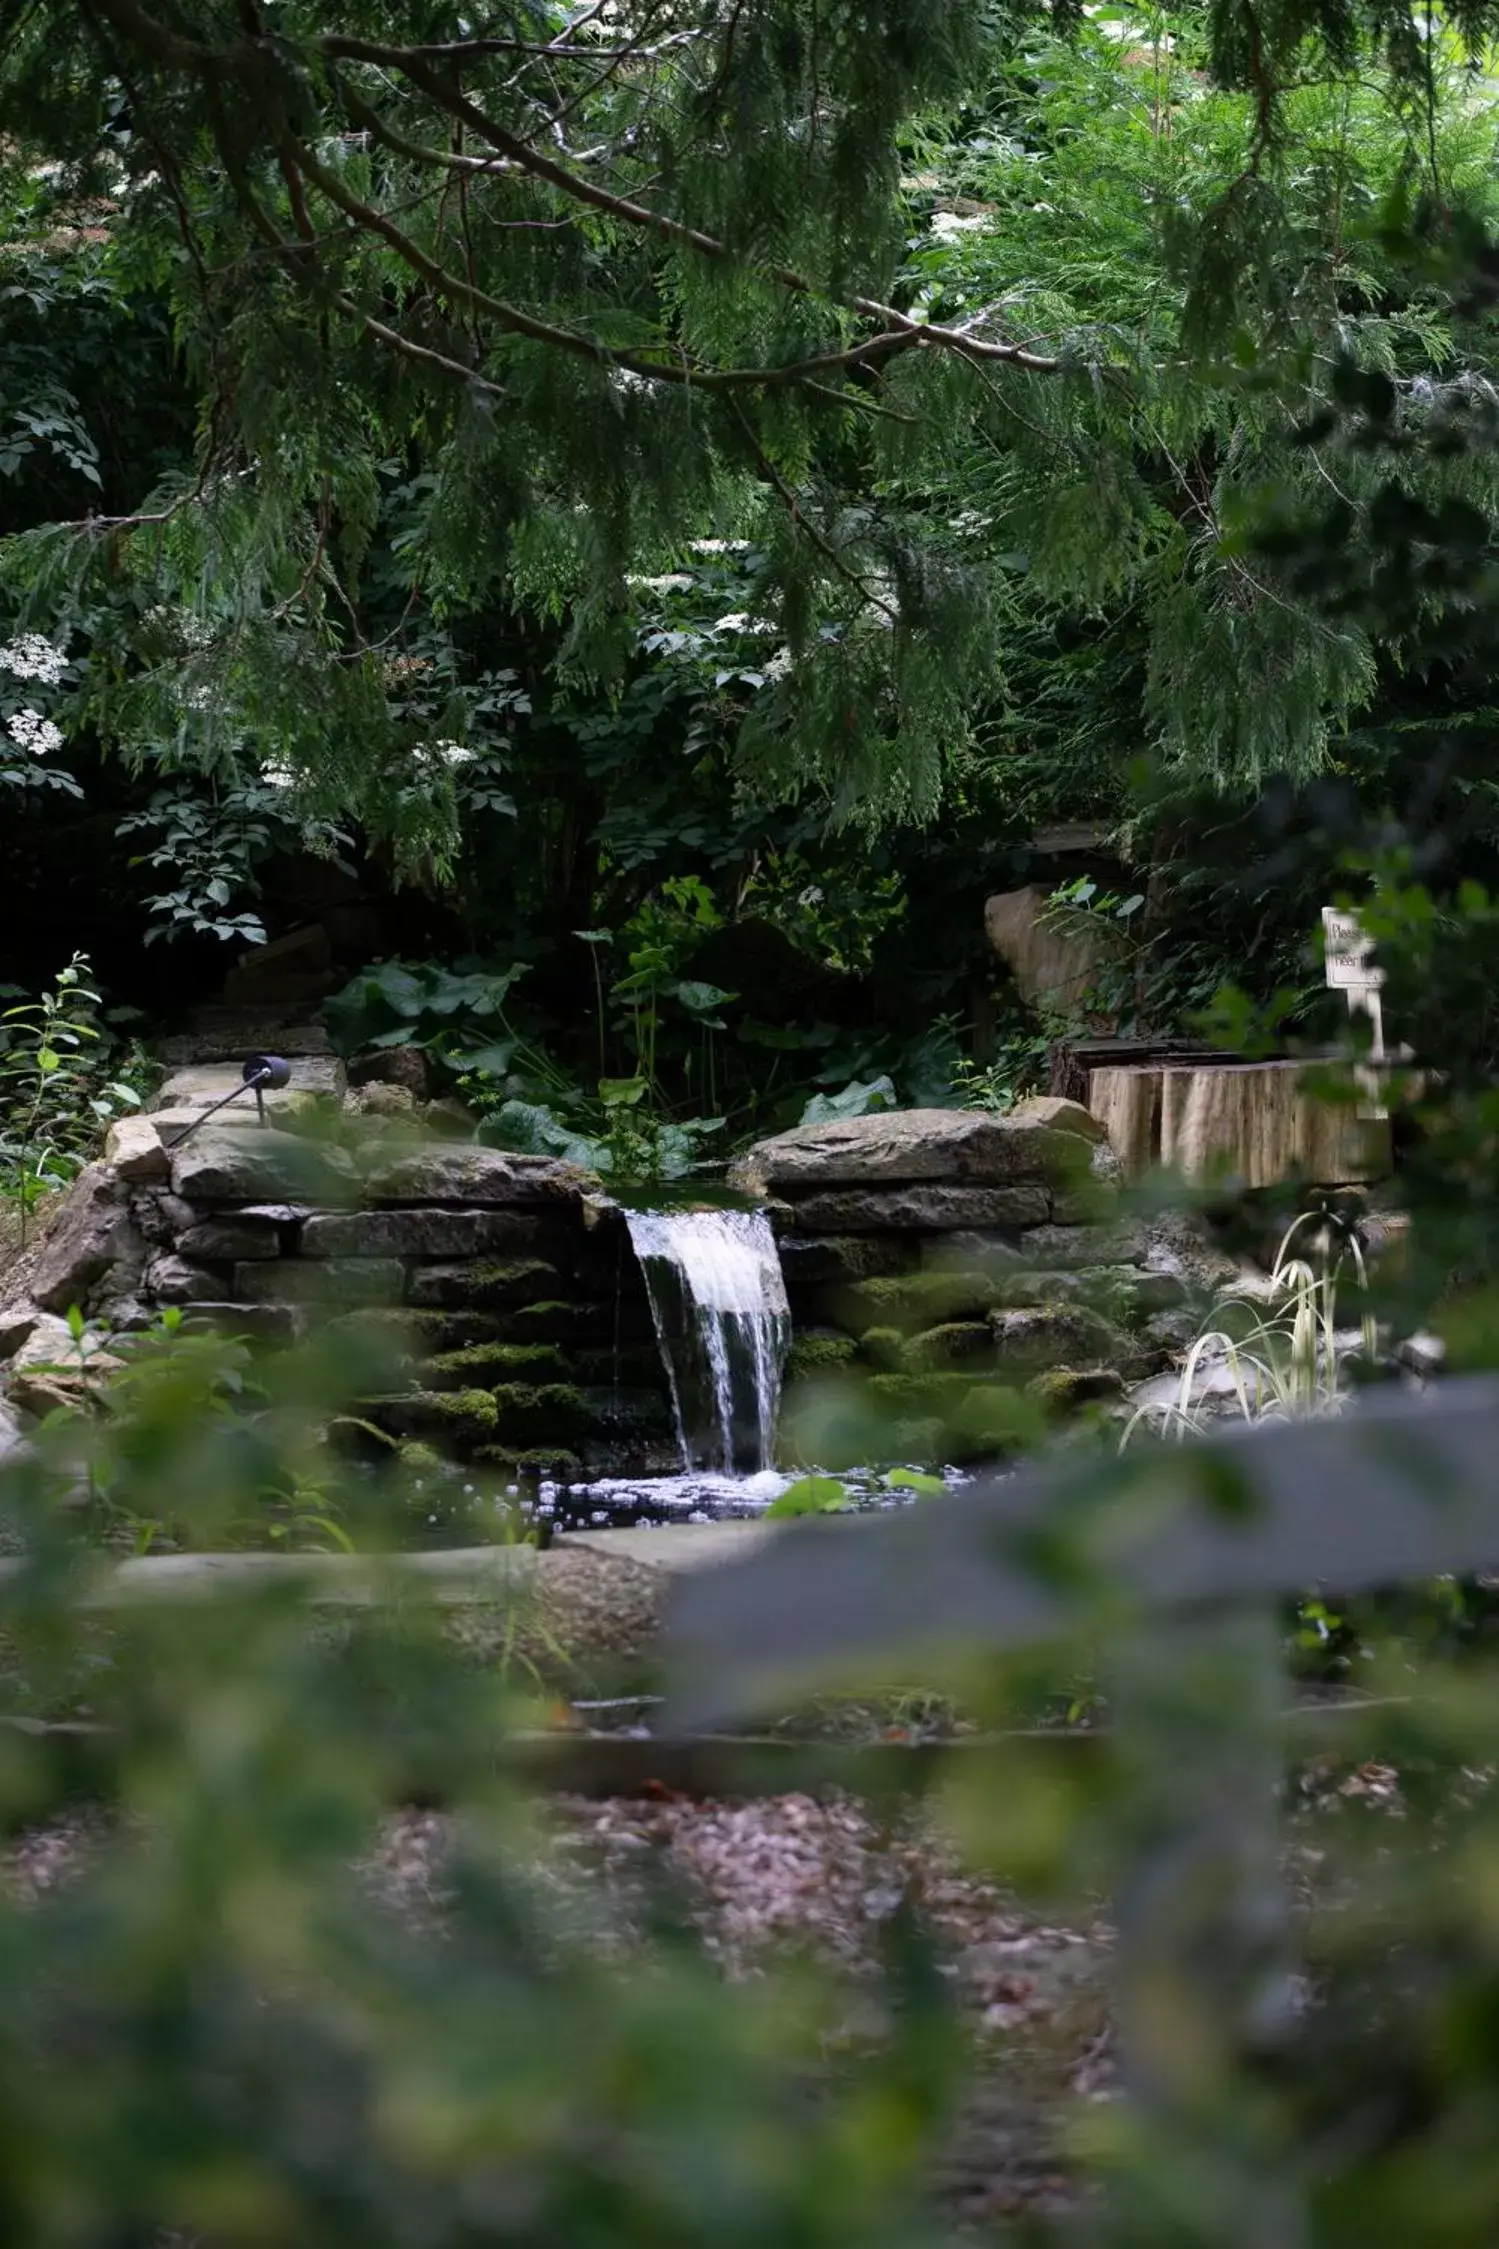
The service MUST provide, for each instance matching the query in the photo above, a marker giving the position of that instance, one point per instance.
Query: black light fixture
(258, 1073)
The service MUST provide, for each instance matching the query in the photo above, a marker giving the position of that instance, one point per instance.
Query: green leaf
(913, 1480)
(809, 1495)
(623, 1093)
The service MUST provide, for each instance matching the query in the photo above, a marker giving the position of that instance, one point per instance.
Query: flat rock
(917, 1208)
(420, 1233)
(236, 1165)
(133, 1148)
(316, 1077)
(467, 1174)
(967, 1147)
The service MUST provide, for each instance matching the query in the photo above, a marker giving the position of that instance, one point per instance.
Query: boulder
(931, 1208)
(811, 1263)
(420, 1233)
(468, 1174)
(92, 1235)
(238, 1164)
(133, 1148)
(967, 1147)
(17, 1322)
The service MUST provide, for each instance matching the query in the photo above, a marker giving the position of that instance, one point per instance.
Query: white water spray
(724, 1327)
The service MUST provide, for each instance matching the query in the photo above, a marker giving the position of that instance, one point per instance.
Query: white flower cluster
(675, 581)
(32, 734)
(33, 657)
(445, 753)
(948, 225)
(740, 621)
(720, 546)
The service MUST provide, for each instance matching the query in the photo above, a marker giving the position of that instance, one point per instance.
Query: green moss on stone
(420, 1460)
(952, 1345)
(883, 1347)
(819, 1351)
(1062, 1390)
(540, 1413)
(1055, 1335)
(482, 1365)
(916, 1301)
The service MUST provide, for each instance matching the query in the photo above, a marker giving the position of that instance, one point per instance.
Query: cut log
(1252, 1121)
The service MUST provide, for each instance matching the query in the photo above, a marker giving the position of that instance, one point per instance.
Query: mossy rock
(819, 1351)
(540, 1413)
(418, 1335)
(555, 1319)
(483, 1365)
(883, 1347)
(1030, 1340)
(955, 1344)
(481, 1284)
(836, 1259)
(454, 1421)
(914, 1302)
(977, 1420)
(418, 1459)
(1121, 1293)
(1066, 1390)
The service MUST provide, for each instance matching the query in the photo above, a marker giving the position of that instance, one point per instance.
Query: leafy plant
(859, 1099)
(55, 1091)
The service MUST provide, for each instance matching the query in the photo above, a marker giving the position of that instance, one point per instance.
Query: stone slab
(481, 1286)
(465, 1174)
(922, 1208)
(241, 1166)
(420, 1233)
(678, 1548)
(967, 1147)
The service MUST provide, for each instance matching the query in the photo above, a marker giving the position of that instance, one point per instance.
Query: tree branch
(819, 539)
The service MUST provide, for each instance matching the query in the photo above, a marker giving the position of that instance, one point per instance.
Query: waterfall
(722, 1321)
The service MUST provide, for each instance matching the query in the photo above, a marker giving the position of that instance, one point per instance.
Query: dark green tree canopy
(532, 308)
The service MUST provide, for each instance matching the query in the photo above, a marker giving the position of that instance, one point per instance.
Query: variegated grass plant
(1283, 1357)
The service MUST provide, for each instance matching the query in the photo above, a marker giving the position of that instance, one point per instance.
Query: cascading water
(724, 1327)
